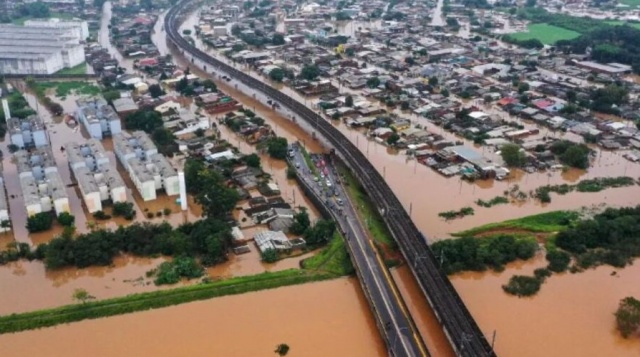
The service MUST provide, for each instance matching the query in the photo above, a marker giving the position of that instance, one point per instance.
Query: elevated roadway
(463, 333)
(392, 317)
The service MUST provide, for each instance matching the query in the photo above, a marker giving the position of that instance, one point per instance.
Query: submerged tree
(282, 349)
(82, 295)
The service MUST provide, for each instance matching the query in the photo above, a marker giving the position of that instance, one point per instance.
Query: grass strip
(79, 69)
(155, 299)
(333, 258)
(370, 215)
(544, 222)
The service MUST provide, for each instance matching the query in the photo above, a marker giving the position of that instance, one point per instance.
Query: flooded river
(321, 319)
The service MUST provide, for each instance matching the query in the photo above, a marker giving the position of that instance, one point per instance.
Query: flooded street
(320, 319)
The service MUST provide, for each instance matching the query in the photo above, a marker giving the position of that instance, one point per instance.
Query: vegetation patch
(153, 300)
(522, 285)
(479, 254)
(628, 316)
(590, 185)
(498, 200)
(333, 259)
(171, 272)
(464, 211)
(79, 69)
(65, 88)
(544, 222)
(368, 212)
(545, 33)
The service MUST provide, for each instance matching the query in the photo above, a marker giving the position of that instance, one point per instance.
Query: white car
(328, 183)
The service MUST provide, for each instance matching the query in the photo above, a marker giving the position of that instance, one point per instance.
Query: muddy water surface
(319, 319)
(571, 316)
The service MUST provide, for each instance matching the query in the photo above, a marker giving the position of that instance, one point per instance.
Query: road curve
(463, 333)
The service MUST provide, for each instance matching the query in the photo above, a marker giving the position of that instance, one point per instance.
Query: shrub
(39, 222)
(521, 285)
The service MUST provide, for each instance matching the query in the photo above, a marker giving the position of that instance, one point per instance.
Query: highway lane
(396, 326)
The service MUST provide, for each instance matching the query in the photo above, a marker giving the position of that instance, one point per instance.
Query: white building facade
(41, 184)
(98, 180)
(98, 117)
(27, 133)
(149, 170)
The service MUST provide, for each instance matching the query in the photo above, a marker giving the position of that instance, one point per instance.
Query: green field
(59, 15)
(544, 223)
(333, 258)
(79, 69)
(620, 23)
(547, 34)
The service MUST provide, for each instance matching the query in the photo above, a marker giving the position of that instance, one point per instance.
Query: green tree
(282, 349)
(373, 82)
(393, 139)
(269, 255)
(39, 222)
(433, 81)
(146, 120)
(445, 93)
(628, 316)
(82, 295)
(348, 101)
(576, 156)
(277, 74)
(512, 155)
(277, 148)
(111, 95)
(278, 39)
(350, 52)
(310, 72)
(558, 260)
(155, 90)
(523, 87)
(252, 160)
(410, 61)
(301, 223)
(209, 85)
(66, 219)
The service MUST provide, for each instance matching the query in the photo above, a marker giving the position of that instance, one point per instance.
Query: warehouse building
(42, 187)
(98, 117)
(38, 50)
(78, 28)
(27, 133)
(98, 180)
(149, 170)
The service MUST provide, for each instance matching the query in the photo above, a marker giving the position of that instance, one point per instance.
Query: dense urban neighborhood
(431, 169)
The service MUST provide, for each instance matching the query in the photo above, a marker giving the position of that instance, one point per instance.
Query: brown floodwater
(319, 319)
(571, 316)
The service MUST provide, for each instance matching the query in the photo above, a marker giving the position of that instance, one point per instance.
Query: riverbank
(154, 300)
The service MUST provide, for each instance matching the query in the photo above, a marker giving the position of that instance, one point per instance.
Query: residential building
(148, 170)
(38, 50)
(41, 184)
(98, 180)
(28, 132)
(98, 117)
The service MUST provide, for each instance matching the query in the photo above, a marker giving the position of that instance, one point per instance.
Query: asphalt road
(401, 337)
